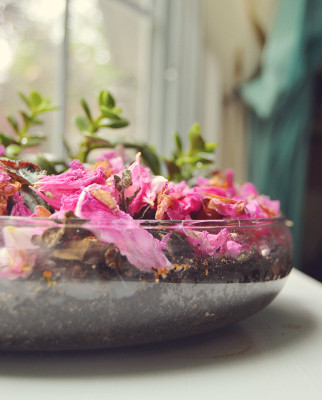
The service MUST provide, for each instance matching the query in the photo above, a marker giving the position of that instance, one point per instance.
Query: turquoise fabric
(280, 100)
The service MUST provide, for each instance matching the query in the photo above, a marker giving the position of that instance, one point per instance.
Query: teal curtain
(280, 99)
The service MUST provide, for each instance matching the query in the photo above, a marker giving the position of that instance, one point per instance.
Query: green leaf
(27, 119)
(45, 108)
(82, 124)
(46, 164)
(108, 113)
(151, 159)
(178, 143)
(13, 123)
(117, 110)
(121, 123)
(206, 156)
(24, 99)
(36, 121)
(6, 140)
(106, 99)
(31, 141)
(187, 159)
(13, 150)
(173, 170)
(210, 146)
(196, 140)
(98, 141)
(35, 99)
(86, 109)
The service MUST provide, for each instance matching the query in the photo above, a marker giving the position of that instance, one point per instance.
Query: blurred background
(250, 71)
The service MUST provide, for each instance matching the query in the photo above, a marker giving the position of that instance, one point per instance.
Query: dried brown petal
(104, 166)
(126, 178)
(164, 202)
(51, 237)
(42, 212)
(118, 183)
(73, 250)
(106, 198)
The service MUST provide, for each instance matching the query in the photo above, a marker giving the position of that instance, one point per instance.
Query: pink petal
(137, 244)
(207, 244)
(19, 209)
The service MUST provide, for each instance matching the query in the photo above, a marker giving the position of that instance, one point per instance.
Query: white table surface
(275, 354)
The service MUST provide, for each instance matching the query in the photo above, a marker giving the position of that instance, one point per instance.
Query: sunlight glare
(6, 56)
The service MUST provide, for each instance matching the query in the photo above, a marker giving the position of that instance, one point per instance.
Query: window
(30, 37)
(147, 52)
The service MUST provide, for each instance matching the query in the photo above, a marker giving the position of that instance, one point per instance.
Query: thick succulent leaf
(109, 113)
(13, 122)
(24, 99)
(13, 150)
(6, 140)
(106, 99)
(121, 123)
(98, 140)
(86, 109)
(35, 99)
(197, 143)
(82, 123)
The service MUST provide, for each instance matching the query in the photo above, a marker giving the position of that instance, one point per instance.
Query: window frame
(172, 97)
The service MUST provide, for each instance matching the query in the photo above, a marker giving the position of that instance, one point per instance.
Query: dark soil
(83, 293)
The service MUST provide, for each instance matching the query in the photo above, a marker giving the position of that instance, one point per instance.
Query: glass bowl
(76, 284)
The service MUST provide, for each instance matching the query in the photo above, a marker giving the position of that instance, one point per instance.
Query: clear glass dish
(76, 284)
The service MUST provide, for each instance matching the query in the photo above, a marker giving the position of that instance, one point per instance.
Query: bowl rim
(151, 223)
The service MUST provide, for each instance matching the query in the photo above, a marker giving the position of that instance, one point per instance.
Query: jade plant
(200, 154)
(182, 165)
(36, 105)
(110, 116)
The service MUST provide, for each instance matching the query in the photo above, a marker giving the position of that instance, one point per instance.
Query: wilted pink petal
(54, 202)
(178, 202)
(16, 263)
(253, 209)
(150, 187)
(229, 178)
(8, 188)
(175, 212)
(248, 190)
(19, 209)
(17, 257)
(89, 207)
(207, 244)
(20, 238)
(233, 248)
(221, 184)
(115, 161)
(4, 177)
(227, 207)
(262, 207)
(202, 181)
(192, 202)
(107, 155)
(270, 207)
(67, 183)
(115, 226)
(76, 164)
(211, 190)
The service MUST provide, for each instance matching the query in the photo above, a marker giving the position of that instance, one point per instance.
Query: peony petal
(115, 226)
(208, 244)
